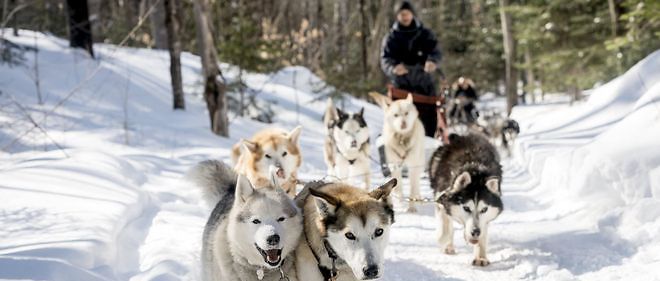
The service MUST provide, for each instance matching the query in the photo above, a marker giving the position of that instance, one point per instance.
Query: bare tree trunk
(529, 73)
(173, 26)
(214, 91)
(364, 32)
(510, 56)
(158, 30)
(340, 21)
(80, 30)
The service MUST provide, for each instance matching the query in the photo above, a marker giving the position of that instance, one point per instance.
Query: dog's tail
(215, 179)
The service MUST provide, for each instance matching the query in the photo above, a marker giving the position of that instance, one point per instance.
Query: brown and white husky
(271, 154)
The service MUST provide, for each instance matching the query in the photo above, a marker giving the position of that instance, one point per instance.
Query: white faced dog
(251, 233)
(346, 147)
(346, 230)
(465, 176)
(403, 138)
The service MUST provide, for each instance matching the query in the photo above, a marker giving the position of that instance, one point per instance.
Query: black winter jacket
(411, 45)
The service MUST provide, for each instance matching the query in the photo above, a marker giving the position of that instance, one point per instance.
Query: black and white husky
(465, 177)
(250, 232)
(346, 147)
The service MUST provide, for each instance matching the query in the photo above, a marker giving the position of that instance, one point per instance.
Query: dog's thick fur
(465, 177)
(355, 224)
(346, 149)
(403, 138)
(251, 232)
(270, 153)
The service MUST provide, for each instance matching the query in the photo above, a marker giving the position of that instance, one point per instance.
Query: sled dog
(403, 139)
(346, 230)
(346, 149)
(270, 151)
(510, 131)
(251, 233)
(465, 177)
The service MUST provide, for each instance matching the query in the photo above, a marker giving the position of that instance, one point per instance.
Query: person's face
(405, 17)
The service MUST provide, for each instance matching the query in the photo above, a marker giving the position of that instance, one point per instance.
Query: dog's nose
(273, 240)
(354, 143)
(403, 125)
(371, 271)
(475, 232)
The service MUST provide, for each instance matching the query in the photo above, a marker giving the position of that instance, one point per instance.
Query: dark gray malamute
(465, 177)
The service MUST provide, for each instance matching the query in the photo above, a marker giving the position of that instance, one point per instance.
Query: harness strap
(329, 274)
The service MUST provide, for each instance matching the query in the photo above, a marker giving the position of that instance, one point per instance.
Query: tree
(173, 23)
(511, 81)
(214, 91)
(80, 30)
(158, 28)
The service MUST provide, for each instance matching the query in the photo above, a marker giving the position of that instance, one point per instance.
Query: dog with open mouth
(269, 152)
(251, 233)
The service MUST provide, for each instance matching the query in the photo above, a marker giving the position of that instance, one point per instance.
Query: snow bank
(599, 163)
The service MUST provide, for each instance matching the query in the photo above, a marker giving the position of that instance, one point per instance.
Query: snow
(582, 191)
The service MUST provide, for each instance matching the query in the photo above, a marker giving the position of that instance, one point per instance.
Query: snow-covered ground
(96, 192)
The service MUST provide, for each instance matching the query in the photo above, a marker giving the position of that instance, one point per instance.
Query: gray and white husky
(250, 232)
(346, 148)
(346, 231)
(465, 176)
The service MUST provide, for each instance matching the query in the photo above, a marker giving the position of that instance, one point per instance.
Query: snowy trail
(581, 203)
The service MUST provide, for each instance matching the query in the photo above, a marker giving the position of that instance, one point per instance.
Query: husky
(465, 177)
(403, 140)
(251, 233)
(509, 131)
(346, 149)
(346, 231)
(270, 151)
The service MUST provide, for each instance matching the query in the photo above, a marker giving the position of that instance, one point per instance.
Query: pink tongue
(280, 173)
(272, 255)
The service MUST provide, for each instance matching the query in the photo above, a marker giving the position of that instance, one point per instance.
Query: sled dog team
(260, 229)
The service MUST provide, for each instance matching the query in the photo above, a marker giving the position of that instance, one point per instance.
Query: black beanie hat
(406, 5)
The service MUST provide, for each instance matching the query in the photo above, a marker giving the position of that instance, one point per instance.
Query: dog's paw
(480, 262)
(412, 209)
(449, 250)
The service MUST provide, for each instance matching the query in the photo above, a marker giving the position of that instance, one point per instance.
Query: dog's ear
(248, 146)
(493, 186)
(382, 100)
(330, 111)
(461, 182)
(326, 204)
(244, 189)
(361, 113)
(340, 114)
(294, 134)
(409, 98)
(383, 191)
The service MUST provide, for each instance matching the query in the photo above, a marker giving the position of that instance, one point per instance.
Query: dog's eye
(485, 209)
(281, 219)
(256, 221)
(379, 232)
(467, 209)
(396, 115)
(284, 154)
(406, 114)
(268, 156)
(350, 236)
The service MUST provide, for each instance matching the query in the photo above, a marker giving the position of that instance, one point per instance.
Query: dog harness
(329, 274)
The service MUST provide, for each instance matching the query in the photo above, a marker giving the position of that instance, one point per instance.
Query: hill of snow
(581, 194)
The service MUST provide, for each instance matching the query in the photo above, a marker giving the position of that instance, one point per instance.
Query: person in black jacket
(410, 53)
(409, 56)
(467, 95)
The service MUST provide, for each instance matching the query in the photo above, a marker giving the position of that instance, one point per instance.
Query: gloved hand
(399, 70)
(429, 66)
